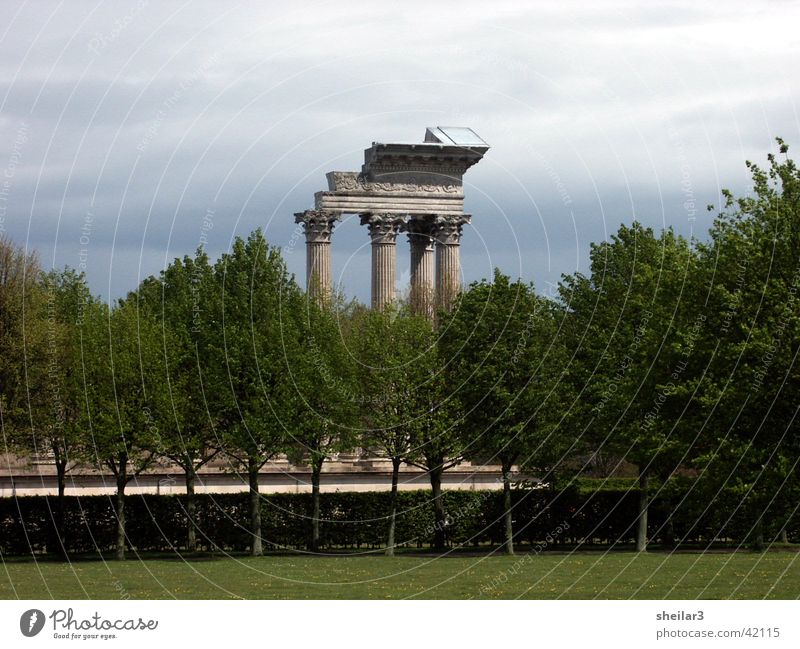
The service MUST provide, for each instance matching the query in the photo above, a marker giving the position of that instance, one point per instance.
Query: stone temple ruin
(415, 188)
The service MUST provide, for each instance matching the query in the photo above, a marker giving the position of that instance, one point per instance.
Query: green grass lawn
(617, 575)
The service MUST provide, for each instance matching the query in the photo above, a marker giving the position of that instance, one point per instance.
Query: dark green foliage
(746, 397)
(352, 521)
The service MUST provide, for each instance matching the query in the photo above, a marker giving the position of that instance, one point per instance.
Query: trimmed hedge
(357, 520)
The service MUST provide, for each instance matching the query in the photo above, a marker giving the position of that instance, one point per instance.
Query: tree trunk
(393, 507)
(61, 472)
(191, 506)
(439, 517)
(507, 514)
(758, 535)
(316, 469)
(669, 532)
(784, 535)
(122, 481)
(255, 507)
(641, 531)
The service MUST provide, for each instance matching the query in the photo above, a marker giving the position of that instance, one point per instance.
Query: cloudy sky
(123, 125)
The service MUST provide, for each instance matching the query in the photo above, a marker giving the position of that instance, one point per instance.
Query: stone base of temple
(21, 478)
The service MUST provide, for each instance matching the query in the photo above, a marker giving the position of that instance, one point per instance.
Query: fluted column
(318, 226)
(383, 229)
(447, 235)
(420, 236)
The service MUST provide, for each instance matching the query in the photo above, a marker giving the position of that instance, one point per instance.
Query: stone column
(420, 236)
(318, 227)
(383, 229)
(448, 258)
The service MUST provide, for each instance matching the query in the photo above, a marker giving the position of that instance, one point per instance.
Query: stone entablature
(404, 205)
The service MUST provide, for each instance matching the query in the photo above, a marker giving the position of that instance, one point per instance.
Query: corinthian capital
(383, 228)
(317, 224)
(420, 225)
(447, 229)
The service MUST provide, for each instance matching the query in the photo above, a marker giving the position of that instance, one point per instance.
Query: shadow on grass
(454, 552)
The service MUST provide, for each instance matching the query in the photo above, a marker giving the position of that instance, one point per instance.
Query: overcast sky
(123, 125)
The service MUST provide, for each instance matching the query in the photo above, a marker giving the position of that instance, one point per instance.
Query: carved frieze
(351, 181)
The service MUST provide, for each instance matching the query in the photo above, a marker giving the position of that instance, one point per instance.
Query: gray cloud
(146, 115)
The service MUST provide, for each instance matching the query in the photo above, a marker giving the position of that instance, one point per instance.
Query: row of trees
(673, 357)
(202, 360)
(686, 351)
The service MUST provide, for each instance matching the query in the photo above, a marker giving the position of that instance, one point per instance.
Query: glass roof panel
(462, 136)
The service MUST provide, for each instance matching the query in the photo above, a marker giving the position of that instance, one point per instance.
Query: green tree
(323, 374)
(506, 361)
(182, 299)
(20, 305)
(122, 382)
(248, 383)
(387, 345)
(751, 291)
(436, 442)
(55, 381)
(41, 400)
(628, 318)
